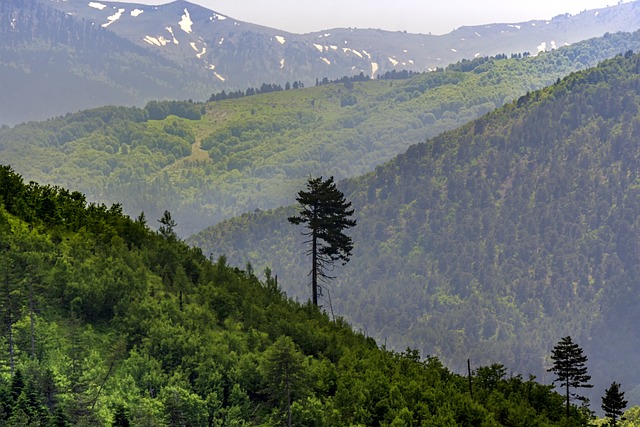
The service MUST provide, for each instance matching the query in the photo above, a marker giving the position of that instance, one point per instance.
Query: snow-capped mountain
(58, 56)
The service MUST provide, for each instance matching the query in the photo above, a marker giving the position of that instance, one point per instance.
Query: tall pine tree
(326, 214)
(569, 367)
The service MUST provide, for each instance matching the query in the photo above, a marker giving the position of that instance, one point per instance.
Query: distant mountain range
(208, 162)
(63, 56)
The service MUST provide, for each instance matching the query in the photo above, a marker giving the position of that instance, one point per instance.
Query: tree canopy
(326, 214)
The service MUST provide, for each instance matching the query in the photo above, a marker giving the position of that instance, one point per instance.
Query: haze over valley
(155, 157)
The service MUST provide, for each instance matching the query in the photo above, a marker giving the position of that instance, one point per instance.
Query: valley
(151, 274)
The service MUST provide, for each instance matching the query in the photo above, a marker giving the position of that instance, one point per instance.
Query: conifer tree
(613, 403)
(326, 214)
(570, 369)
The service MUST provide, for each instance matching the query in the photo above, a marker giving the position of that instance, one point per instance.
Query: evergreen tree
(570, 369)
(284, 374)
(613, 403)
(326, 214)
(167, 228)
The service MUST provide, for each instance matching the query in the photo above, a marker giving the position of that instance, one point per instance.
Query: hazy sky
(415, 16)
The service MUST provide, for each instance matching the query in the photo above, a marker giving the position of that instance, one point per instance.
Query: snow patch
(282, 63)
(553, 45)
(219, 76)
(319, 47)
(477, 34)
(280, 39)
(597, 13)
(517, 27)
(113, 18)
(355, 52)
(136, 12)
(542, 47)
(393, 61)
(199, 55)
(333, 47)
(366, 53)
(476, 55)
(374, 68)
(160, 41)
(194, 47)
(221, 41)
(411, 62)
(175, 41)
(186, 22)
(453, 50)
(97, 5)
(326, 60)
(216, 17)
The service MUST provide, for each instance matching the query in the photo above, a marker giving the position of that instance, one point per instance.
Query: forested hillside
(208, 162)
(106, 323)
(493, 240)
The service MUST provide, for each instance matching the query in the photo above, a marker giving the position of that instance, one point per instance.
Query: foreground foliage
(108, 323)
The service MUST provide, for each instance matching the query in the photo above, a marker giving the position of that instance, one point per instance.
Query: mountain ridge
(214, 52)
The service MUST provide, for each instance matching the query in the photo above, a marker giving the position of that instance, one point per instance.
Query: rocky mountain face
(59, 56)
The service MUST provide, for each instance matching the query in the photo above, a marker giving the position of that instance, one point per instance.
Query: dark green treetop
(613, 403)
(570, 369)
(326, 214)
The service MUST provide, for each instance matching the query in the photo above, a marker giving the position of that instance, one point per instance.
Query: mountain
(52, 63)
(106, 323)
(492, 241)
(205, 163)
(64, 56)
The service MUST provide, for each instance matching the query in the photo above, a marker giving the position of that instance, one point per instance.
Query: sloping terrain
(494, 240)
(106, 323)
(244, 54)
(58, 57)
(208, 162)
(52, 63)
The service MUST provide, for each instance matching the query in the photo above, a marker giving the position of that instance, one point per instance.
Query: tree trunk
(314, 268)
(567, 399)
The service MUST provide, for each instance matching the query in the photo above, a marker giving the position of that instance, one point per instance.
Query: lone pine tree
(613, 403)
(569, 367)
(326, 214)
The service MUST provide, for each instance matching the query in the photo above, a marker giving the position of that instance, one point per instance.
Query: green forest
(107, 323)
(208, 162)
(492, 240)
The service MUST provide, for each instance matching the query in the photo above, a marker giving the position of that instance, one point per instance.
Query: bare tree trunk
(314, 268)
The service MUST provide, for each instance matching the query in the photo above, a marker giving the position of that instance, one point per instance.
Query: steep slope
(494, 240)
(106, 323)
(242, 54)
(63, 56)
(52, 63)
(255, 152)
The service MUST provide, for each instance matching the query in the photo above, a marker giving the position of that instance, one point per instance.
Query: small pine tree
(569, 367)
(613, 403)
